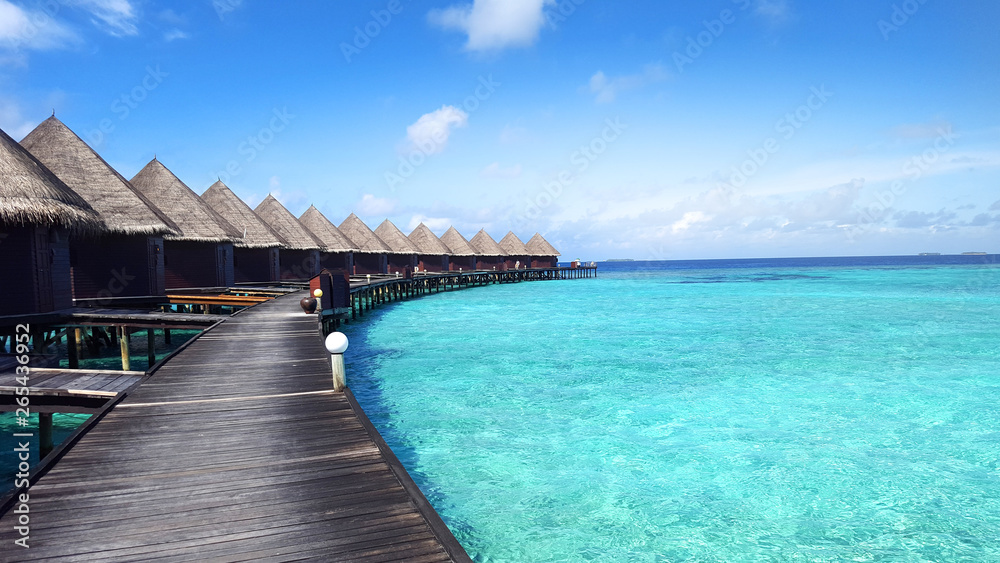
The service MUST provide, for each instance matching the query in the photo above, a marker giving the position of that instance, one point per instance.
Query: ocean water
(813, 410)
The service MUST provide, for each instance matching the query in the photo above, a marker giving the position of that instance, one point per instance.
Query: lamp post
(336, 344)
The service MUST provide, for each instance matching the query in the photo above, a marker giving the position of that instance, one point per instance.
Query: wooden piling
(72, 347)
(151, 346)
(44, 434)
(123, 341)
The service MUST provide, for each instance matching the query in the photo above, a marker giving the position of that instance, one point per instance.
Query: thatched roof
(196, 220)
(484, 245)
(427, 242)
(325, 231)
(395, 239)
(286, 225)
(30, 194)
(254, 232)
(538, 246)
(512, 246)
(359, 233)
(456, 243)
(124, 210)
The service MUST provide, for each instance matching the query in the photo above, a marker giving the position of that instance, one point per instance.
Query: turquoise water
(748, 414)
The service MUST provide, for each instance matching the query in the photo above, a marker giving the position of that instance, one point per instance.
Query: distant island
(930, 254)
(974, 253)
(619, 260)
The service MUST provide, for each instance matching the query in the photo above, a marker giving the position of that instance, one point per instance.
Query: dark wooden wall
(299, 264)
(488, 262)
(117, 266)
(197, 264)
(336, 261)
(434, 263)
(544, 261)
(366, 263)
(399, 262)
(34, 270)
(466, 263)
(256, 265)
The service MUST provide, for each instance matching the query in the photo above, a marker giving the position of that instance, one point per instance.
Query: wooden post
(72, 348)
(166, 336)
(151, 346)
(44, 433)
(123, 341)
(336, 344)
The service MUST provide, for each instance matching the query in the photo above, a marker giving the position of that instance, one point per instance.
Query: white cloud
(38, 30)
(117, 17)
(439, 224)
(921, 131)
(375, 206)
(495, 24)
(607, 89)
(512, 134)
(777, 11)
(12, 120)
(498, 172)
(431, 132)
(174, 34)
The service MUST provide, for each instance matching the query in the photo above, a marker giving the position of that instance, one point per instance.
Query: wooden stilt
(151, 346)
(123, 341)
(72, 348)
(166, 336)
(44, 434)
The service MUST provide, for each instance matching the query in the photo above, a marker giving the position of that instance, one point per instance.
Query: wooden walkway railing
(235, 449)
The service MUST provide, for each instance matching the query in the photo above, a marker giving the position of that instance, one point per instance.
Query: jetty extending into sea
(236, 444)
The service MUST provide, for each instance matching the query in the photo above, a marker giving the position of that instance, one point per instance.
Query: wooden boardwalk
(234, 450)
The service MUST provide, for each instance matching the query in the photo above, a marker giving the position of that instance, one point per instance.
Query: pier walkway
(235, 449)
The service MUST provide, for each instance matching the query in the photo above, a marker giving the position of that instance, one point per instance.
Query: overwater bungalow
(434, 254)
(372, 254)
(489, 255)
(256, 251)
(402, 253)
(339, 253)
(543, 254)
(461, 254)
(300, 259)
(201, 255)
(125, 261)
(38, 215)
(516, 255)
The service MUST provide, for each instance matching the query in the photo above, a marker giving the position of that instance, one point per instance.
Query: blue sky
(650, 129)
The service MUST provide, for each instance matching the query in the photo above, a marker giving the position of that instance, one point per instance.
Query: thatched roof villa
(371, 257)
(300, 260)
(461, 254)
(543, 254)
(402, 253)
(201, 255)
(127, 260)
(490, 255)
(38, 214)
(339, 253)
(256, 251)
(515, 253)
(434, 255)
